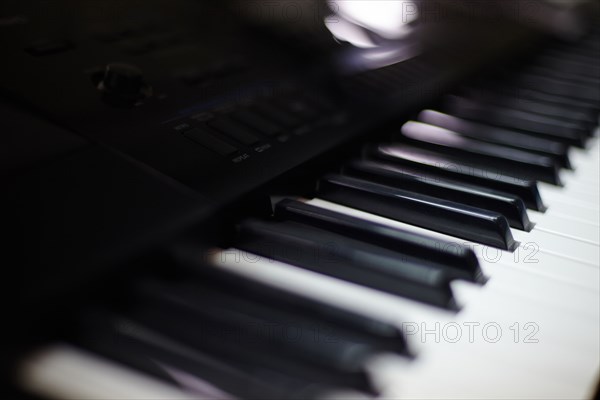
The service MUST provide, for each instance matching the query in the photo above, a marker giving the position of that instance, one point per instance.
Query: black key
(582, 57)
(561, 75)
(459, 262)
(448, 217)
(346, 355)
(511, 207)
(586, 45)
(508, 160)
(559, 87)
(257, 122)
(454, 168)
(49, 47)
(347, 259)
(235, 130)
(560, 64)
(208, 140)
(382, 334)
(555, 129)
(533, 94)
(577, 116)
(247, 333)
(487, 133)
(151, 352)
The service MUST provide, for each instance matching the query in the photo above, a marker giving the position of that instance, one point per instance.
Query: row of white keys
(583, 159)
(558, 295)
(554, 298)
(573, 210)
(581, 188)
(578, 213)
(551, 193)
(560, 245)
(572, 263)
(530, 293)
(464, 363)
(61, 371)
(587, 231)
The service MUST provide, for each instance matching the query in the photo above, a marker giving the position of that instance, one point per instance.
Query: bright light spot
(378, 58)
(348, 32)
(387, 18)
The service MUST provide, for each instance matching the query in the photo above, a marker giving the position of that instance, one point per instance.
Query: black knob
(123, 79)
(123, 85)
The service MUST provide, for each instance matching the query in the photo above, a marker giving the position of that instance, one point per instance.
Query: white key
(449, 374)
(557, 340)
(528, 259)
(562, 246)
(588, 155)
(65, 372)
(584, 163)
(551, 193)
(579, 212)
(469, 368)
(568, 215)
(589, 190)
(569, 227)
(586, 172)
(553, 293)
(585, 169)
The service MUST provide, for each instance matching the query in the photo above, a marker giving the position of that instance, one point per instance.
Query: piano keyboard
(460, 259)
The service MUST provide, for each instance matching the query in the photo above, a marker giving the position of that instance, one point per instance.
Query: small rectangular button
(300, 108)
(235, 131)
(46, 47)
(257, 122)
(279, 115)
(137, 46)
(211, 142)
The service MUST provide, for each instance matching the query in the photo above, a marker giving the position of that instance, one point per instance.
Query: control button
(123, 79)
(222, 70)
(182, 127)
(235, 130)
(138, 46)
(257, 122)
(301, 109)
(206, 139)
(319, 102)
(107, 34)
(192, 76)
(123, 85)
(279, 115)
(47, 47)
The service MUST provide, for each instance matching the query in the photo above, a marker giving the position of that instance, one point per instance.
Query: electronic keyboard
(234, 219)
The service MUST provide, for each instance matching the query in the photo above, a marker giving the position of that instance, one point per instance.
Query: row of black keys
(252, 340)
(242, 338)
(470, 175)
